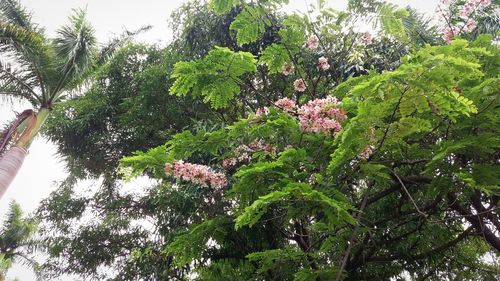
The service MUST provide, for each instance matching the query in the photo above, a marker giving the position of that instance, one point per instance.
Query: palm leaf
(27, 49)
(16, 83)
(13, 12)
(75, 46)
(420, 28)
(105, 53)
(109, 49)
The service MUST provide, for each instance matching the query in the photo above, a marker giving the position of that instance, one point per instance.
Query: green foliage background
(422, 203)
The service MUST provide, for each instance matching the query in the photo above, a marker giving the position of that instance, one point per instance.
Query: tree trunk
(10, 163)
(13, 159)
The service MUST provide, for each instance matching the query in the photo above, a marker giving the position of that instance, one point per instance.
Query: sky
(43, 168)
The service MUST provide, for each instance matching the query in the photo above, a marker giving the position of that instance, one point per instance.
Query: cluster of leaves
(387, 195)
(16, 239)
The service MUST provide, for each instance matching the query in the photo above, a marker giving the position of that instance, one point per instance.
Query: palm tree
(43, 72)
(15, 236)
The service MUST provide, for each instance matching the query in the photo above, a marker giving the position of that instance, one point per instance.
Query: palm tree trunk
(10, 163)
(13, 159)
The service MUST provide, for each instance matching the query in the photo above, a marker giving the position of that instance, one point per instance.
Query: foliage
(122, 112)
(16, 238)
(216, 77)
(408, 185)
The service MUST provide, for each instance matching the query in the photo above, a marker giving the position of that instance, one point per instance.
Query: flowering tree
(328, 157)
(363, 180)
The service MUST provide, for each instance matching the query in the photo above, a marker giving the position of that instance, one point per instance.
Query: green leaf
(391, 20)
(216, 77)
(189, 246)
(293, 33)
(309, 198)
(222, 6)
(154, 160)
(275, 56)
(249, 25)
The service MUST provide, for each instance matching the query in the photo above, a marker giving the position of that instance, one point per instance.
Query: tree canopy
(264, 145)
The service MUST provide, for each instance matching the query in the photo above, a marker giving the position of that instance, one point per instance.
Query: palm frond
(108, 50)
(13, 12)
(75, 45)
(489, 24)
(105, 53)
(16, 83)
(420, 29)
(27, 49)
(16, 38)
(15, 231)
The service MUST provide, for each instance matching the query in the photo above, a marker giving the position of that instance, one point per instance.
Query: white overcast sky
(109, 17)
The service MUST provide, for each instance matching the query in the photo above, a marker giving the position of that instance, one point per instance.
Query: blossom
(195, 173)
(299, 85)
(450, 33)
(482, 3)
(323, 63)
(287, 69)
(285, 104)
(228, 162)
(467, 9)
(262, 111)
(321, 115)
(243, 153)
(312, 42)
(470, 25)
(367, 38)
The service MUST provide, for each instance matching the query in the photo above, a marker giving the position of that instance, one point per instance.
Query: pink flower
(323, 63)
(367, 38)
(467, 9)
(262, 111)
(195, 173)
(243, 153)
(287, 69)
(482, 3)
(321, 115)
(285, 104)
(299, 85)
(312, 42)
(450, 33)
(470, 25)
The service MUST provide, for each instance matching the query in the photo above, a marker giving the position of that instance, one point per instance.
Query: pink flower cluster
(243, 153)
(299, 85)
(466, 12)
(287, 69)
(323, 63)
(285, 104)
(367, 38)
(262, 111)
(470, 25)
(321, 115)
(449, 33)
(195, 173)
(312, 42)
(470, 6)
